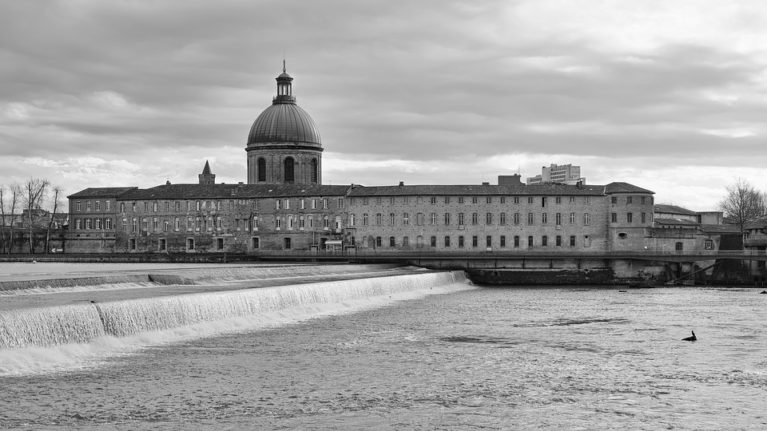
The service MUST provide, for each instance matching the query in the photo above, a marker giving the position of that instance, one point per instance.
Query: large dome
(284, 122)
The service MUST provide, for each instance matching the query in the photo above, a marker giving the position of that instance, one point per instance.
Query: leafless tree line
(27, 199)
(743, 203)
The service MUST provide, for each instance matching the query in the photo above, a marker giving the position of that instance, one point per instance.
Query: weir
(86, 321)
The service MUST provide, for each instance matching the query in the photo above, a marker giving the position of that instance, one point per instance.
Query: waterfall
(84, 322)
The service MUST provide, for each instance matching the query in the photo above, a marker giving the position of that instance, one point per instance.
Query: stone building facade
(284, 207)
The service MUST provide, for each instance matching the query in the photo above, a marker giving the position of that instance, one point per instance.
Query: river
(454, 358)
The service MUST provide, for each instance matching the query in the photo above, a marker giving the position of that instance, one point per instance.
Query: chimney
(401, 183)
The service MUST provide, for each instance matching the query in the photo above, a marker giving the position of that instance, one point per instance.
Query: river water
(468, 358)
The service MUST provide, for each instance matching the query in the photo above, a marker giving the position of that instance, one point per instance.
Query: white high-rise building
(561, 174)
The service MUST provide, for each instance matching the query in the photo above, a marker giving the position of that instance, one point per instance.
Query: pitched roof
(474, 190)
(624, 188)
(101, 192)
(672, 209)
(232, 191)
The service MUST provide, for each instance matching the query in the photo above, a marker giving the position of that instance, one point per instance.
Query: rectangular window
(544, 218)
(614, 217)
(447, 241)
(460, 199)
(146, 207)
(572, 199)
(503, 219)
(433, 241)
(433, 219)
(365, 219)
(572, 218)
(559, 219)
(378, 200)
(122, 207)
(391, 219)
(97, 205)
(559, 240)
(378, 241)
(530, 241)
(629, 218)
(276, 204)
(543, 202)
(324, 204)
(489, 218)
(287, 204)
(392, 241)
(530, 200)
(474, 218)
(78, 206)
(314, 204)
(433, 200)
(447, 219)
(516, 199)
(405, 219)
(287, 243)
(447, 200)
(379, 219)
(473, 199)
(516, 241)
(405, 241)
(559, 199)
(460, 241)
(544, 240)
(419, 219)
(586, 219)
(503, 240)
(614, 200)
(643, 218)
(642, 200)
(219, 244)
(489, 241)
(364, 201)
(88, 206)
(516, 218)
(255, 242)
(489, 199)
(628, 200)
(530, 218)
(572, 240)
(503, 199)
(460, 219)
(474, 241)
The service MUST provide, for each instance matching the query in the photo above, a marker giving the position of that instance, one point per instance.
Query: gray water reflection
(479, 359)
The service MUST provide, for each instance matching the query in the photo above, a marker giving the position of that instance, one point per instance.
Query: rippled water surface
(476, 359)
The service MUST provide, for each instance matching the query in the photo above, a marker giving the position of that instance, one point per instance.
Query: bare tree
(2, 217)
(35, 191)
(743, 203)
(56, 195)
(15, 191)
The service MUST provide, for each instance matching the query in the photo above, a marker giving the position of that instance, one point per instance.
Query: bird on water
(691, 338)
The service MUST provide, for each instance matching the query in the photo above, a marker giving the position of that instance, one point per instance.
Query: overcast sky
(666, 95)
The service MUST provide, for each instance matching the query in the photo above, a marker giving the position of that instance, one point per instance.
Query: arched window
(289, 164)
(261, 169)
(314, 171)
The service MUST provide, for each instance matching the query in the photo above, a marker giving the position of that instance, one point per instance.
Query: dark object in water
(692, 338)
(764, 292)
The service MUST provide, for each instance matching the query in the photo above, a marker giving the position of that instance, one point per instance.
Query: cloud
(438, 92)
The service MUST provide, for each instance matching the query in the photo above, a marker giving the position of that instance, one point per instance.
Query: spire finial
(283, 66)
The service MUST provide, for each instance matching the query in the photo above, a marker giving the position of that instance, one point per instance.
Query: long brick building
(284, 206)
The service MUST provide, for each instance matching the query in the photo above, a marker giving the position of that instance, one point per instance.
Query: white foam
(135, 324)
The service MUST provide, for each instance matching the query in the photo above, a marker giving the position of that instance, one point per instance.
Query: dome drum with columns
(284, 145)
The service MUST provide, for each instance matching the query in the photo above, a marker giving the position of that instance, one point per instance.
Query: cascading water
(84, 322)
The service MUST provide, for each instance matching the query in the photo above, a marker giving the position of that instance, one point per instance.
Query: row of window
(447, 241)
(445, 219)
(204, 205)
(288, 170)
(531, 200)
